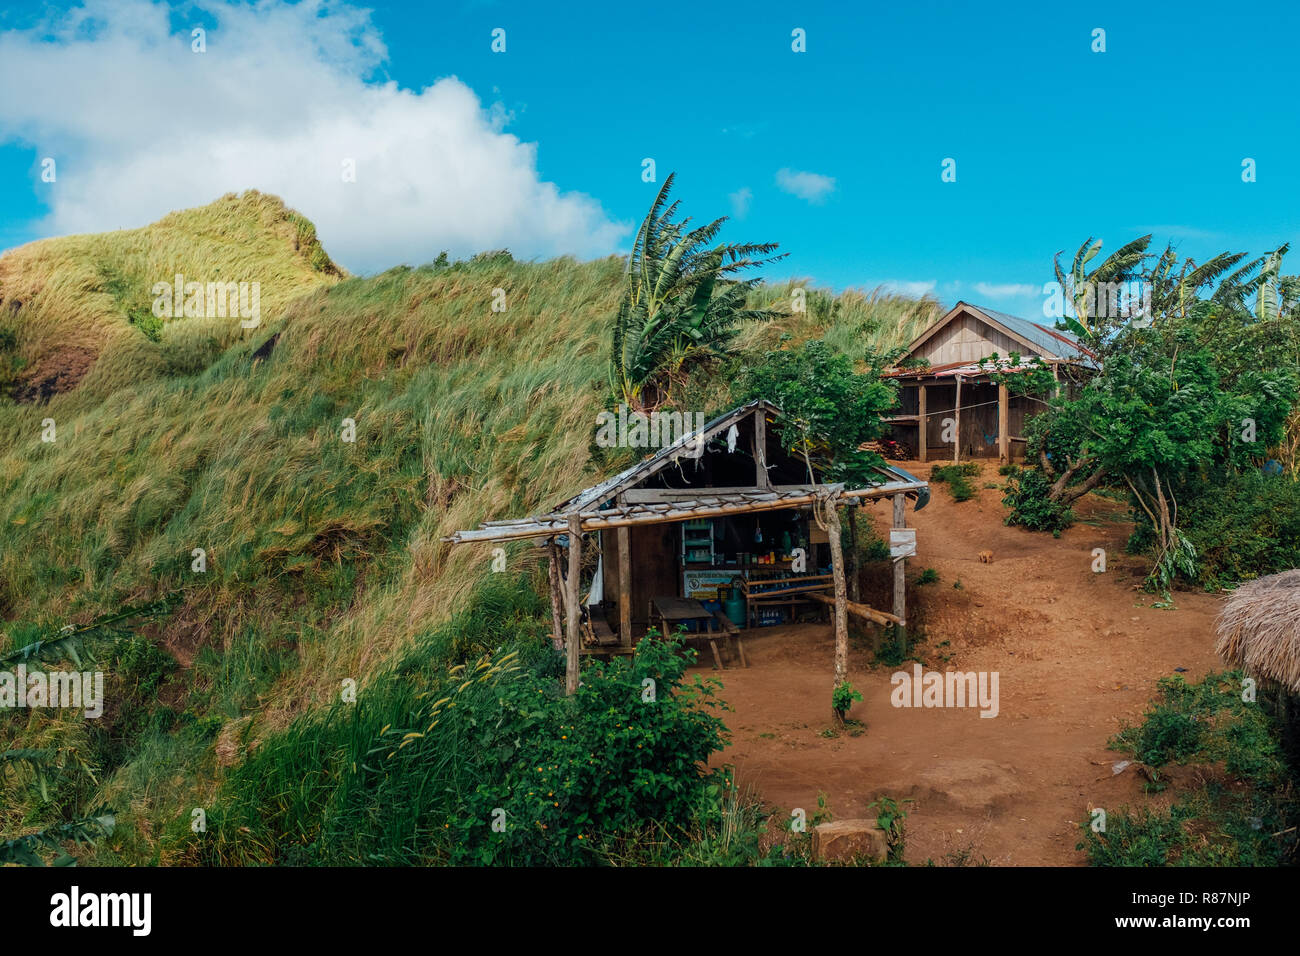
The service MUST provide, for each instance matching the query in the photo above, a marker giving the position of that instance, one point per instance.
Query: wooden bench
(732, 633)
(598, 636)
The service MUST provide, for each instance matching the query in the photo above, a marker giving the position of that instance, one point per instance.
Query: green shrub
(567, 776)
(1029, 505)
(1211, 826)
(957, 478)
(1248, 820)
(928, 576)
(1208, 721)
(871, 546)
(428, 759)
(843, 697)
(1242, 526)
(942, 473)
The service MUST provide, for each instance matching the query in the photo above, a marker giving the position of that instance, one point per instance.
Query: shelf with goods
(715, 553)
(697, 543)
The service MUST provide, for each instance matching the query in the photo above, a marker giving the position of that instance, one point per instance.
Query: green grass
(957, 479)
(1243, 810)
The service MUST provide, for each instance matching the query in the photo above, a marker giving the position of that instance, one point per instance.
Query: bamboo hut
(720, 505)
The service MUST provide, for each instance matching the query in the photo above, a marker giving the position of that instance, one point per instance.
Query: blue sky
(1053, 142)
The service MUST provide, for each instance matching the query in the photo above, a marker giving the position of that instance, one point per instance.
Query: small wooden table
(676, 610)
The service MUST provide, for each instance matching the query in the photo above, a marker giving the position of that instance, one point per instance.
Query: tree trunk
(841, 617)
(557, 596)
(574, 634)
(855, 587)
(1071, 495)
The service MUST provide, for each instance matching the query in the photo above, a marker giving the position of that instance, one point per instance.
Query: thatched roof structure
(1259, 629)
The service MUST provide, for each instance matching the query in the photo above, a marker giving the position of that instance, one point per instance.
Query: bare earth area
(1077, 653)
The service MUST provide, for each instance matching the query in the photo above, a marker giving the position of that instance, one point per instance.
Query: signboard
(703, 585)
(902, 542)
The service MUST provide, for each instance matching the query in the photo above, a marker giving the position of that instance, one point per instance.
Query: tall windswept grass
(322, 558)
(81, 305)
(851, 322)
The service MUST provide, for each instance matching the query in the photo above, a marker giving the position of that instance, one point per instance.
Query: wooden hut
(954, 397)
(724, 505)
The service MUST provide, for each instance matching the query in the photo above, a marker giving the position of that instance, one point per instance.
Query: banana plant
(1173, 293)
(1081, 286)
(681, 301)
(30, 850)
(1268, 300)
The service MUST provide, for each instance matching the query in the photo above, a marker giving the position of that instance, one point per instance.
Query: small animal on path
(986, 557)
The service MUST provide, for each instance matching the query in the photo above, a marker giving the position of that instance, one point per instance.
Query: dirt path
(1076, 653)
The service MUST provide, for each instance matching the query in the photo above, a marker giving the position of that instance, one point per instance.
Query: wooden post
(900, 572)
(841, 614)
(760, 449)
(956, 425)
(557, 595)
(1004, 420)
(573, 637)
(921, 428)
(854, 584)
(625, 586)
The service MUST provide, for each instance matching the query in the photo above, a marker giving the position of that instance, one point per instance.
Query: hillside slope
(315, 462)
(76, 312)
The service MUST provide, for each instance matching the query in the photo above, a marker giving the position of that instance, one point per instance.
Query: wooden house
(952, 409)
(724, 506)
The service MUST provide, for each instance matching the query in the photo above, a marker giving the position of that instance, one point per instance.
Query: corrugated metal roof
(1053, 342)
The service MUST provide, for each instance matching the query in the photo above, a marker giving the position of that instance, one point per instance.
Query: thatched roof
(1259, 629)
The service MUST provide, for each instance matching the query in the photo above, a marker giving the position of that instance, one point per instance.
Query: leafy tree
(1201, 381)
(681, 301)
(829, 408)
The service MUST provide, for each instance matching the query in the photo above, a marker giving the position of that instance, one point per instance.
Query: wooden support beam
(921, 428)
(860, 610)
(760, 449)
(841, 620)
(855, 586)
(625, 586)
(956, 427)
(557, 595)
(642, 496)
(1004, 426)
(667, 513)
(573, 636)
(900, 572)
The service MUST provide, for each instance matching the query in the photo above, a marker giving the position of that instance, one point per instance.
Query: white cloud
(1006, 290)
(140, 125)
(814, 187)
(914, 288)
(740, 201)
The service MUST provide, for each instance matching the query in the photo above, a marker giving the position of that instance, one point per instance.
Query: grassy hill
(76, 311)
(321, 559)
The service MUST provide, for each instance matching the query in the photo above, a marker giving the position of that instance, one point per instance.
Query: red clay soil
(59, 371)
(1077, 654)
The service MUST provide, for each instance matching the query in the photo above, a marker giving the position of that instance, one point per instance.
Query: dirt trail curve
(1076, 653)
